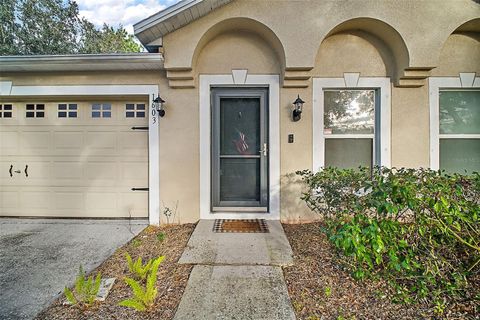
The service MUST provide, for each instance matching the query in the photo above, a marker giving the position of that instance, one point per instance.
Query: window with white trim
(351, 122)
(69, 110)
(6, 111)
(101, 110)
(349, 127)
(455, 123)
(459, 130)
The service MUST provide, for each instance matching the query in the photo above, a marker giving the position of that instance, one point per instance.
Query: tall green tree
(55, 27)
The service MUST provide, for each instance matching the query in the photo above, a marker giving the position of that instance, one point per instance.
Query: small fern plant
(85, 290)
(143, 298)
(137, 268)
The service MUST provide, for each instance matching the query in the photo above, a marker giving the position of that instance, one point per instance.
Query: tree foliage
(55, 27)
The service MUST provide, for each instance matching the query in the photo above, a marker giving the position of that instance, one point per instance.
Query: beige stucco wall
(259, 36)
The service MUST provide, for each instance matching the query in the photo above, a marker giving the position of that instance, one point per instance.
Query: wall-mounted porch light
(297, 111)
(157, 104)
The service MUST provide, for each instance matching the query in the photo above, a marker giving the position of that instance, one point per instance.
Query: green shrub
(137, 268)
(143, 298)
(416, 228)
(85, 290)
(161, 236)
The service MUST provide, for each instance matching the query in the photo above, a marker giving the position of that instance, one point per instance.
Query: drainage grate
(240, 226)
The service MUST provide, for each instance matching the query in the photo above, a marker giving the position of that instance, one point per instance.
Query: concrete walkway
(39, 257)
(236, 275)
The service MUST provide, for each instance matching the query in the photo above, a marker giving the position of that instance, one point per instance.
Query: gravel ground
(172, 278)
(320, 289)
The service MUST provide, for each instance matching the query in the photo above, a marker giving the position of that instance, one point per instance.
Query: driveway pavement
(39, 257)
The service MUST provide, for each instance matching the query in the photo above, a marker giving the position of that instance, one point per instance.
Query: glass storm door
(239, 150)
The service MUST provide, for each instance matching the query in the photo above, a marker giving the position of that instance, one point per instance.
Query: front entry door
(239, 150)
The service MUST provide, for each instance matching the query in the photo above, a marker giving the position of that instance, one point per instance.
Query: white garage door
(73, 159)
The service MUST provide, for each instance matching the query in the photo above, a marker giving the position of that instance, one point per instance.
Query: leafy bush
(143, 298)
(137, 268)
(416, 228)
(85, 290)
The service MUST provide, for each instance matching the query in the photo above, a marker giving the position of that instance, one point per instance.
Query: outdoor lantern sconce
(297, 111)
(158, 106)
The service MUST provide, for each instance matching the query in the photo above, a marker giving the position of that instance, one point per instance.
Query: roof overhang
(150, 30)
(82, 62)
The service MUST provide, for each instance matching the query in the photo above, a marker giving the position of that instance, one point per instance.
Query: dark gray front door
(240, 149)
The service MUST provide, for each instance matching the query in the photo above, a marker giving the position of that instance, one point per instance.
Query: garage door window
(67, 110)
(6, 110)
(135, 110)
(35, 111)
(101, 110)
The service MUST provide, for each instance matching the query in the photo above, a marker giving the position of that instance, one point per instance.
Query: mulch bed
(172, 278)
(320, 288)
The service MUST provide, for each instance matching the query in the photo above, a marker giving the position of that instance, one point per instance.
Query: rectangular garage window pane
(459, 112)
(130, 106)
(349, 111)
(141, 106)
(72, 106)
(30, 107)
(240, 179)
(30, 114)
(130, 114)
(460, 155)
(62, 114)
(348, 153)
(40, 107)
(107, 106)
(72, 114)
(40, 114)
(106, 114)
(95, 114)
(62, 107)
(141, 114)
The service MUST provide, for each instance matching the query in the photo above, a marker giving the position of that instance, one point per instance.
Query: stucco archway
(388, 41)
(241, 24)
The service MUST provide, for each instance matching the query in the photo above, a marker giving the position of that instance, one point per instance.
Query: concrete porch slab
(235, 292)
(210, 248)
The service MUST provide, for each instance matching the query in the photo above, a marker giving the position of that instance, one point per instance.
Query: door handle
(264, 151)
(26, 170)
(11, 169)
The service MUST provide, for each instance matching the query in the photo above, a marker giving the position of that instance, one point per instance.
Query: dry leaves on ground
(172, 278)
(320, 289)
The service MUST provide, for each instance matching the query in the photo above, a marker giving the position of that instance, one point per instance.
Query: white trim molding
(435, 84)
(240, 79)
(107, 90)
(351, 81)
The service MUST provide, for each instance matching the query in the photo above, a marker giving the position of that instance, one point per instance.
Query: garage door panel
(77, 167)
(101, 201)
(69, 200)
(35, 199)
(74, 141)
(135, 203)
(9, 199)
(133, 142)
(68, 170)
(36, 142)
(101, 171)
(101, 142)
(134, 171)
(9, 142)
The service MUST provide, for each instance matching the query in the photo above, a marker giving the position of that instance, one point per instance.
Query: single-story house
(252, 91)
